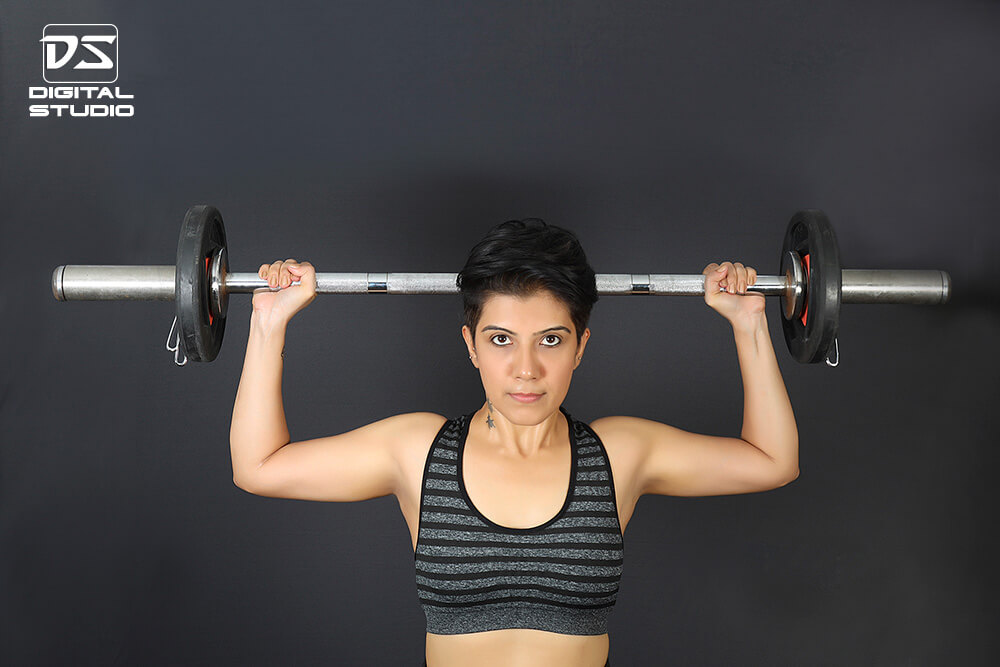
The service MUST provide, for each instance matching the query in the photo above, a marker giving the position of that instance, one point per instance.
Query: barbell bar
(812, 285)
(95, 282)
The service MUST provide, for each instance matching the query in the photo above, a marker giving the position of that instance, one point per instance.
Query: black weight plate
(811, 336)
(202, 234)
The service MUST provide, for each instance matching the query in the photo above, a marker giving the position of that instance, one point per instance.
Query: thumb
(714, 277)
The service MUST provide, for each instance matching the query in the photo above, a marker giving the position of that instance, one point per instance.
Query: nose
(525, 364)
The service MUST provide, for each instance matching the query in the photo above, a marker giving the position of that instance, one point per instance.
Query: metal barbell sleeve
(78, 282)
(926, 287)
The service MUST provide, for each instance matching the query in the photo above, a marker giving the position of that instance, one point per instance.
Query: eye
(502, 340)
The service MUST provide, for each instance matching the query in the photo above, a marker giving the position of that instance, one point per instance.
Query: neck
(515, 440)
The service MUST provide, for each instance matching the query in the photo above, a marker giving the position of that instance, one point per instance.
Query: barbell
(811, 284)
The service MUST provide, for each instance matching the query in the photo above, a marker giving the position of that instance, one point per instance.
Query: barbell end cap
(57, 283)
(945, 287)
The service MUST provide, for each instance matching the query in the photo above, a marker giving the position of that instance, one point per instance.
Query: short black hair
(521, 257)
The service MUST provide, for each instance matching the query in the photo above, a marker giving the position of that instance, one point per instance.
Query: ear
(582, 346)
(470, 344)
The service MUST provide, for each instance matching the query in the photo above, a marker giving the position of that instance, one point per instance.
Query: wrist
(750, 324)
(270, 330)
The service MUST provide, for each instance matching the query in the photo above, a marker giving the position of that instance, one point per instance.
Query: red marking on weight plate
(209, 307)
(805, 310)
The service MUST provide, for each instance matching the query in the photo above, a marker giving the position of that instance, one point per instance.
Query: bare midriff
(516, 648)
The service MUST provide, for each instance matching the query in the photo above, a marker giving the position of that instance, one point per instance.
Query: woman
(515, 564)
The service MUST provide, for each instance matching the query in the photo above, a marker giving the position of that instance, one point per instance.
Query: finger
(741, 278)
(299, 271)
(730, 277)
(751, 275)
(284, 275)
(303, 272)
(272, 273)
(724, 275)
(714, 273)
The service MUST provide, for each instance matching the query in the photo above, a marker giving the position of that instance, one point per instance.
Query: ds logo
(80, 53)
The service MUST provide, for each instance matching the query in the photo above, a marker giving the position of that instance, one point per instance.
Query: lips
(526, 398)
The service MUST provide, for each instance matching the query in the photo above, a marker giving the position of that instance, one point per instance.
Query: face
(525, 346)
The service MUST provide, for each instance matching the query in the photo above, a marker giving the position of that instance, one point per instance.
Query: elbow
(238, 482)
(789, 476)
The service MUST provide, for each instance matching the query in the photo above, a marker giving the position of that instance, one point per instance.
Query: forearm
(258, 428)
(768, 420)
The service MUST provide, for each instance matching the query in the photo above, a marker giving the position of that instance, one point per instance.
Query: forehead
(539, 308)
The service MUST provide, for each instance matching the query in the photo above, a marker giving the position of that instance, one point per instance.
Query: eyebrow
(493, 327)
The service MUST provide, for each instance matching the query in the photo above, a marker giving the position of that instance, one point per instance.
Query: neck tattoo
(489, 417)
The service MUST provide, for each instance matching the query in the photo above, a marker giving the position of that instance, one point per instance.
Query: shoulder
(620, 431)
(414, 432)
(417, 432)
(425, 419)
(624, 441)
(397, 427)
(623, 438)
(638, 435)
(418, 425)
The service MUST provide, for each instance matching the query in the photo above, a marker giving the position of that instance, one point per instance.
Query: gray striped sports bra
(474, 575)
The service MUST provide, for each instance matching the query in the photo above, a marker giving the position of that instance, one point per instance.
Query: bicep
(676, 462)
(352, 466)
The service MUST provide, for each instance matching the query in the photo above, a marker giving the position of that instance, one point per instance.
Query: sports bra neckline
(571, 486)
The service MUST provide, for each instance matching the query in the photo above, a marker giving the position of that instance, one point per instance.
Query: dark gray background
(390, 136)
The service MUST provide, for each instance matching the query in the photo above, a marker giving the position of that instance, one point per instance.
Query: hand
(279, 306)
(735, 303)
